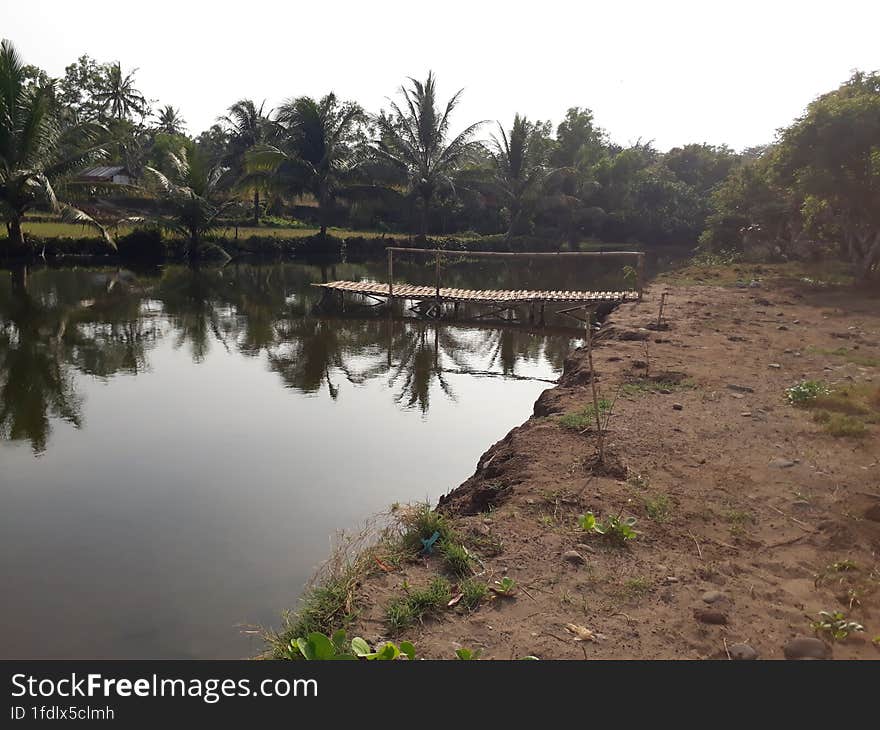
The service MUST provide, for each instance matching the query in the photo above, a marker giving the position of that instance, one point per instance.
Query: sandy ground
(755, 507)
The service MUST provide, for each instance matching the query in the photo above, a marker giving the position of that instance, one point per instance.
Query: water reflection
(55, 323)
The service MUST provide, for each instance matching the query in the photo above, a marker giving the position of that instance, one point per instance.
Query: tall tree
(190, 194)
(35, 154)
(831, 157)
(319, 146)
(415, 138)
(118, 97)
(519, 167)
(248, 127)
(169, 120)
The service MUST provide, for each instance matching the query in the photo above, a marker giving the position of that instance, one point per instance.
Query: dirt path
(751, 516)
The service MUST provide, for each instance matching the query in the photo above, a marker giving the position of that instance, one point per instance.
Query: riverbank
(752, 514)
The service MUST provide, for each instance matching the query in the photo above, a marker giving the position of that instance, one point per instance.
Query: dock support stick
(588, 314)
(390, 275)
(640, 274)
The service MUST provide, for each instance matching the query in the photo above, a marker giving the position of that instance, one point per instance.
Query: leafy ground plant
(615, 529)
(320, 647)
(504, 587)
(835, 624)
(467, 654)
(417, 603)
(805, 392)
(457, 558)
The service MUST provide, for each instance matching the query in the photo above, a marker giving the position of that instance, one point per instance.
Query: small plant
(615, 529)
(805, 392)
(835, 625)
(387, 652)
(458, 560)
(659, 508)
(467, 654)
(585, 418)
(843, 566)
(473, 592)
(504, 587)
(630, 276)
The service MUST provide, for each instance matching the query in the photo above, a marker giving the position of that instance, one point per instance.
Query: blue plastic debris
(428, 545)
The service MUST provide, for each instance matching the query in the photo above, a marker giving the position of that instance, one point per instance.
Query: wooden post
(437, 264)
(640, 274)
(390, 275)
(599, 432)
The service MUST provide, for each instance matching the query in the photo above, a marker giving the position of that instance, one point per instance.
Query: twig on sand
(804, 525)
(628, 618)
(699, 550)
(522, 588)
(726, 650)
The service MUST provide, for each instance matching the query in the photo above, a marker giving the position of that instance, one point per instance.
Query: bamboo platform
(481, 296)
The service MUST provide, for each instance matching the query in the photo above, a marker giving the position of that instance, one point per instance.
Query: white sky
(673, 71)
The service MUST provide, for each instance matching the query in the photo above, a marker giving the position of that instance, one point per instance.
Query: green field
(70, 230)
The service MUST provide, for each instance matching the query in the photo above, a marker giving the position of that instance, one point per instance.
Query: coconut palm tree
(169, 121)
(519, 161)
(415, 138)
(248, 127)
(319, 146)
(119, 96)
(36, 155)
(189, 196)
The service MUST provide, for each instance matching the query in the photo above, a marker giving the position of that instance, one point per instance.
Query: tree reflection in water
(56, 324)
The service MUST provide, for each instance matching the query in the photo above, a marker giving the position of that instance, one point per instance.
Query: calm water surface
(178, 448)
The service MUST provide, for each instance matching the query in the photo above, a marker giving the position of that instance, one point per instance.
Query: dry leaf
(455, 599)
(581, 633)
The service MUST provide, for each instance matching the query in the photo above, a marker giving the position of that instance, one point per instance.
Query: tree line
(814, 191)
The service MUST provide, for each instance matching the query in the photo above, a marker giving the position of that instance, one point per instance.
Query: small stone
(664, 391)
(780, 463)
(742, 652)
(713, 597)
(795, 321)
(746, 413)
(782, 327)
(710, 616)
(677, 407)
(774, 365)
(806, 647)
(739, 396)
(740, 388)
(670, 579)
(573, 556)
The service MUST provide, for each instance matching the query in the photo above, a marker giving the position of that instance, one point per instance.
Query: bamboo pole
(390, 274)
(599, 432)
(640, 274)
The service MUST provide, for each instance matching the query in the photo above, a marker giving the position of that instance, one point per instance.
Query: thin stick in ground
(601, 435)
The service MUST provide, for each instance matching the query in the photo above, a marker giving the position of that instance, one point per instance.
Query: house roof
(105, 172)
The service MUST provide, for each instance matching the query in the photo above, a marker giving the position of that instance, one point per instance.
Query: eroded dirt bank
(752, 515)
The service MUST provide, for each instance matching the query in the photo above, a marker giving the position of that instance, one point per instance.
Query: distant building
(115, 174)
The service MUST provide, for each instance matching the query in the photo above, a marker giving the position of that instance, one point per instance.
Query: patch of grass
(806, 392)
(456, 557)
(636, 588)
(417, 603)
(585, 418)
(840, 425)
(659, 507)
(852, 356)
(473, 593)
(638, 481)
(739, 520)
(644, 386)
(322, 608)
(420, 522)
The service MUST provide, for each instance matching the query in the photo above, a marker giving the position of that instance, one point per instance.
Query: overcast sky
(673, 71)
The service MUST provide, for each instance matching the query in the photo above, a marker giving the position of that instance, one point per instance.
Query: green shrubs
(320, 647)
(805, 392)
(473, 593)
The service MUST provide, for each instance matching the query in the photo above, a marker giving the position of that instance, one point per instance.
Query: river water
(178, 447)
